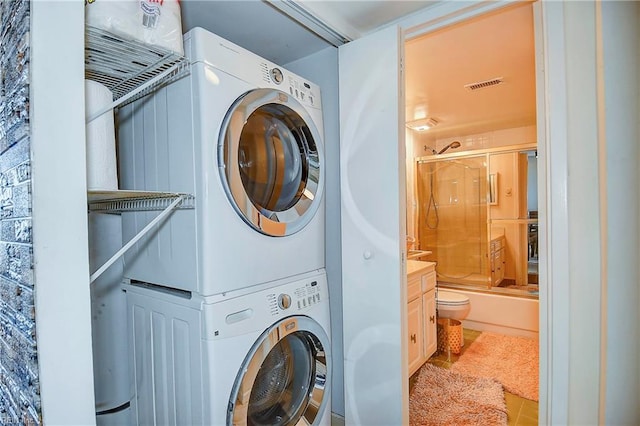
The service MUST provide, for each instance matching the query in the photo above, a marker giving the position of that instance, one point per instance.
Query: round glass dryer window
(271, 162)
(283, 379)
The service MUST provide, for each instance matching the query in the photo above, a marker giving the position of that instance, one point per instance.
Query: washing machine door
(284, 380)
(271, 162)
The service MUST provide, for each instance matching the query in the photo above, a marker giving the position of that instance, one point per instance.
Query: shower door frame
(486, 152)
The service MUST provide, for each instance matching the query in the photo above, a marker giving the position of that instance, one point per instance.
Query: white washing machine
(245, 137)
(254, 358)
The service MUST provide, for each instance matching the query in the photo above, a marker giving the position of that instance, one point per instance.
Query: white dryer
(254, 358)
(245, 137)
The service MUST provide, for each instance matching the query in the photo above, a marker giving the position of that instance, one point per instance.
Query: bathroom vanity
(421, 312)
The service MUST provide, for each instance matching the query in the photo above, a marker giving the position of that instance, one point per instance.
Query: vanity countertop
(418, 265)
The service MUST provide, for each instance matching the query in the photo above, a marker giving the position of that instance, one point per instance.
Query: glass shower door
(452, 218)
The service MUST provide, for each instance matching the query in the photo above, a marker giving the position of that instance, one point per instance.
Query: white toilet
(454, 306)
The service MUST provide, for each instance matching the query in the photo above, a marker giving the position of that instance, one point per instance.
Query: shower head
(453, 145)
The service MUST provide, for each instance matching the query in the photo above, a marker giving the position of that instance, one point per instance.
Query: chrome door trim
(258, 353)
(269, 222)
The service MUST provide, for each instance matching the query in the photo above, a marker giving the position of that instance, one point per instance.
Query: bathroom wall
(19, 378)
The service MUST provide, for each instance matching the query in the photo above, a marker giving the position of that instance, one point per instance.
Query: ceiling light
(422, 124)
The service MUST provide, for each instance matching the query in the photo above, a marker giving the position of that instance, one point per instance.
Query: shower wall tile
(493, 139)
(19, 381)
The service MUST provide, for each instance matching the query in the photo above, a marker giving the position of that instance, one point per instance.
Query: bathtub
(515, 316)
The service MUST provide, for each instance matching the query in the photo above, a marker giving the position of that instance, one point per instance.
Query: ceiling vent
(484, 84)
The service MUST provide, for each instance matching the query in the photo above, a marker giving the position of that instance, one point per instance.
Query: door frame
(551, 70)
(547, 255)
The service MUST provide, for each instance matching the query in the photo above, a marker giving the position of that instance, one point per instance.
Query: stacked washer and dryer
(228, 305)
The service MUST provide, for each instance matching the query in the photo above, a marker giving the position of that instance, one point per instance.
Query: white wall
(585, 243)
(322, 69)
(63, 316)
(621, 73)
(594, 281)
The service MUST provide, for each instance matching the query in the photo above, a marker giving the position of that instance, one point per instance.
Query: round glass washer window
(284, 377)
(272, 162)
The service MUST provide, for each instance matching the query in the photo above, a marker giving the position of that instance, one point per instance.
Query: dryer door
(271, 162)
(284, 380)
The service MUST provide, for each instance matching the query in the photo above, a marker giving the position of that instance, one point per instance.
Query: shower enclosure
(452, 217)
(476, 217)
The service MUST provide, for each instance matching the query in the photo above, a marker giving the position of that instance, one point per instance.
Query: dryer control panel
(305, 92)
(302, 91)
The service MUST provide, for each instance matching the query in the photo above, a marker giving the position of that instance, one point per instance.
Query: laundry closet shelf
(119, 201)
(129, 69)
(125, 201)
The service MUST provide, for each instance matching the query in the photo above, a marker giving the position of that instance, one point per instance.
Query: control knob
(284, 301)
(276, 75)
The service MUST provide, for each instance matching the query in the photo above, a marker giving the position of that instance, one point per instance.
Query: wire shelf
(135, 201)
(125, 65)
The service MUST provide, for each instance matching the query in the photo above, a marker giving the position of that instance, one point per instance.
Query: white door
(372, 173)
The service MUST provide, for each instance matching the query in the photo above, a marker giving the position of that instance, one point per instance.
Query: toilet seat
(448, 298)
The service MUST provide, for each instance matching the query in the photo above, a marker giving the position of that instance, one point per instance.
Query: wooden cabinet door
(429, 321)
(414, 327)
(413, 288)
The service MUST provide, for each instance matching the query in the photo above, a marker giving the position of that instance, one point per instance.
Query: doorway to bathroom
(471, 162)
(471, 145)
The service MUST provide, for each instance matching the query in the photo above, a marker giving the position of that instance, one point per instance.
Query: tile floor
(520, 411)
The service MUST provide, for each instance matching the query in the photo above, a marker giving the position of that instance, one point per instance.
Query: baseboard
(337, 420)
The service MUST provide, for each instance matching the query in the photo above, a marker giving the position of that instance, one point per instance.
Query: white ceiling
(360, 17)
(262, 27)
(254, 25)
(438, 65)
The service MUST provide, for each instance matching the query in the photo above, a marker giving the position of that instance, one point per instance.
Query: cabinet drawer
(428, 281)
(413, 288)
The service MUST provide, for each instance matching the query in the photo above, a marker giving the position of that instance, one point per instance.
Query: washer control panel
(300, 298)
(232, 315)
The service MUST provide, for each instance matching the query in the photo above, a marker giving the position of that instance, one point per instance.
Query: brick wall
(19, 386)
